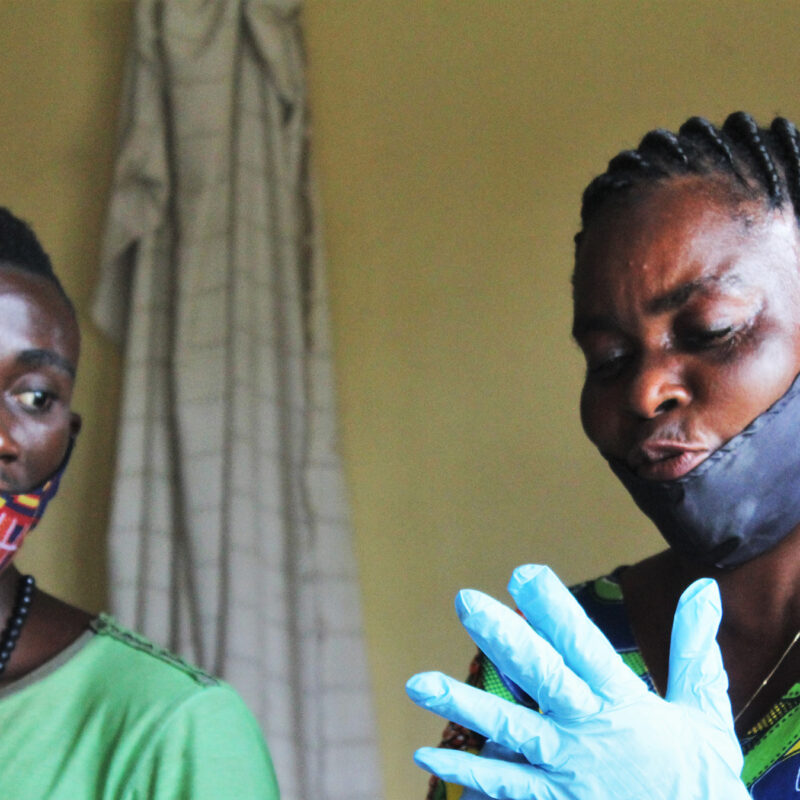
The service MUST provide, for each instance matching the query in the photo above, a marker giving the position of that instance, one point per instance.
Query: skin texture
(687, 308)
(688, 319)
(39, 349)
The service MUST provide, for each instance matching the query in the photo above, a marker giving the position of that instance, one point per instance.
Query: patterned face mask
(20, 513)
(738, 503)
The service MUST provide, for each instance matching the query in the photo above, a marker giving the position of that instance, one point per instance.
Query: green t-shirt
(114, 716)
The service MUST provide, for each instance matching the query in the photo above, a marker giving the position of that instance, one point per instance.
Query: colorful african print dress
(771, 747)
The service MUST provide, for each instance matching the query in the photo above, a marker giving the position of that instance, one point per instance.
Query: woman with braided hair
(677, 677)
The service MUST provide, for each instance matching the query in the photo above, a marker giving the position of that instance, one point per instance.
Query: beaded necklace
(13, 628)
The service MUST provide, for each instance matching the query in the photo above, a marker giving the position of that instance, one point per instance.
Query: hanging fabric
(230, 539)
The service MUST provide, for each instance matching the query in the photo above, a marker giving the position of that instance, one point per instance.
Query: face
(39, 346)
(687, 309)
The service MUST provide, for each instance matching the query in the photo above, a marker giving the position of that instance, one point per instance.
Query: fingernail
(425, 686)
(468, 601)
(524, 575)
(421, 758)
(705, 589)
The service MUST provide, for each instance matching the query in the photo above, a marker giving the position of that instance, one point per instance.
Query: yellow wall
(60, 72)
(452, 141)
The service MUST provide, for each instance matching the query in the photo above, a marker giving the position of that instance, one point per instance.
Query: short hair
(759, 162)
(20, 248)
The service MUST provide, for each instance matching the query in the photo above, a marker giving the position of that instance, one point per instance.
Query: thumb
(697, 677)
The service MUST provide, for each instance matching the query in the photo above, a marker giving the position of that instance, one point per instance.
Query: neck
(9, 579)
(760, 598)
(761, 615)
(50, 626)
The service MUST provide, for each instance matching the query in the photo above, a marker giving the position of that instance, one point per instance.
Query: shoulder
(603, 590)
(192, 731)
(126, 678)
(124, 673)
(602, 600)
(119, 716)
(137, 658)
(129, 674)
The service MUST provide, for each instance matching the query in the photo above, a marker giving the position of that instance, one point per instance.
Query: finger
(512, 726)
(524, 656)
(493, 750)
(555, 614)
(697, 677)
(498, 779)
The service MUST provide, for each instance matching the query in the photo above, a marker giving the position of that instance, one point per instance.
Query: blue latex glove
(601, 734)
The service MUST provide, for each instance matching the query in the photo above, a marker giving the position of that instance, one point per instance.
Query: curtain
(230, 541)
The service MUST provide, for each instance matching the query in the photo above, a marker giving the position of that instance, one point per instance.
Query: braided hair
(21, 249)
(759, 162)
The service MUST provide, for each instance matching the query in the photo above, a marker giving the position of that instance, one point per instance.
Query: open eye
(35, 399)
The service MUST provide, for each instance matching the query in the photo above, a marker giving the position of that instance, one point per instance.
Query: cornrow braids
(759, 162)
(662, 143)
(743, 130)
(786, 136)
(706, 136)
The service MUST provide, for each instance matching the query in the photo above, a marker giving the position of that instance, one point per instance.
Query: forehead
(680, 235)
(35, 315)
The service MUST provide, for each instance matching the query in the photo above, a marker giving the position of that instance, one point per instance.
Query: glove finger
(498, 779)
(514, 727)
(524, 656)
(493, 750)
(697, 677)
(555, 614)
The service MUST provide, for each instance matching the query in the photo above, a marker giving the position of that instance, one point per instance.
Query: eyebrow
(669, 301)
(677, 297)
(46, 358)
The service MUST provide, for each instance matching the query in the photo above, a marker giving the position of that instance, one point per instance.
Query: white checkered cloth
(230, 539)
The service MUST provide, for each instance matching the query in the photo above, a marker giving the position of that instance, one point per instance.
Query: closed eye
(712, 337)
(608, 365)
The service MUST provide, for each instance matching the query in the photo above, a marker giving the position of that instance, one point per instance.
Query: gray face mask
(738, 503)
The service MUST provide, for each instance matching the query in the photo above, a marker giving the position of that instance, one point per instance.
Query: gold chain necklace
(769, 676)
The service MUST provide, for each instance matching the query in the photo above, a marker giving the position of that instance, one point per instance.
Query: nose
(658, 386)
(9, 447)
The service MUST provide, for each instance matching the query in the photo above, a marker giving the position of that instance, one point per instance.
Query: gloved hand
(601, 735)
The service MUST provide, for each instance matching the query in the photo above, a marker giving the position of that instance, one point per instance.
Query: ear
(75, 424)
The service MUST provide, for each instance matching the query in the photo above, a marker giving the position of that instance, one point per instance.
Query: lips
(666, 460)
